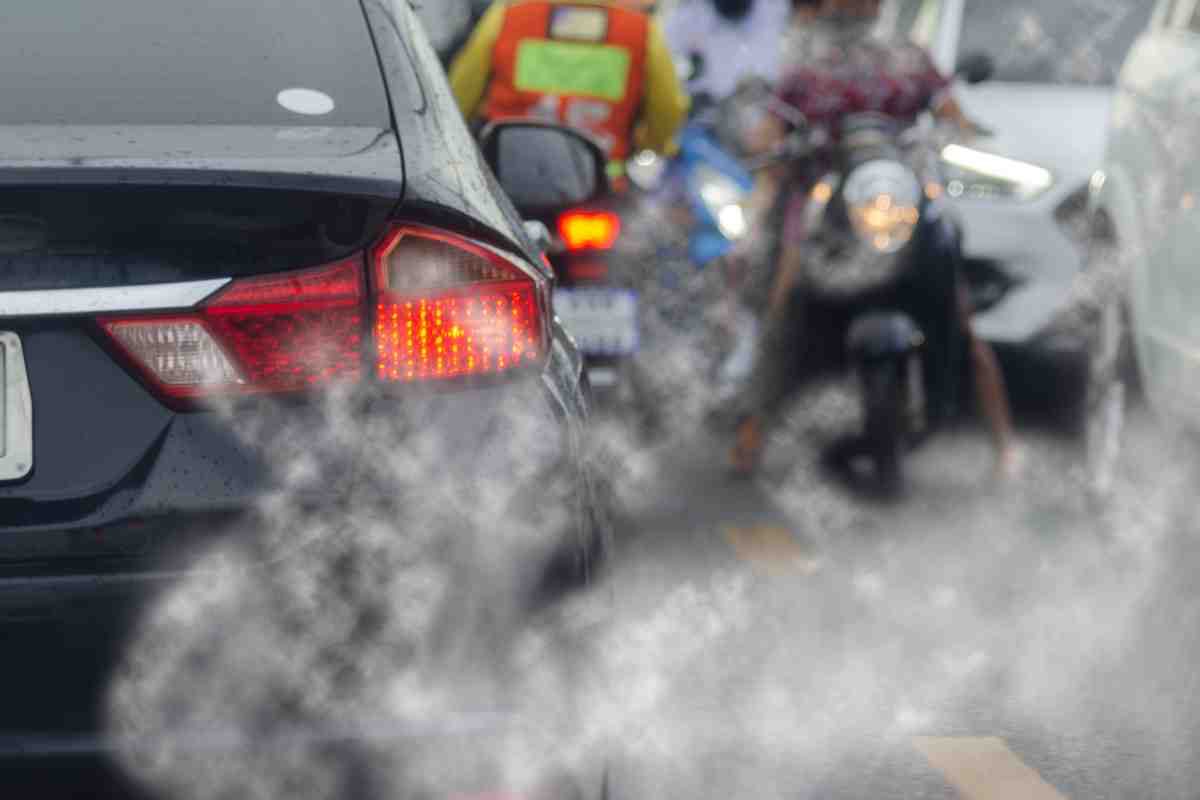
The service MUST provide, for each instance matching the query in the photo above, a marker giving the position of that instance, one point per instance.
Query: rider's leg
(990, 392)
(776, 372)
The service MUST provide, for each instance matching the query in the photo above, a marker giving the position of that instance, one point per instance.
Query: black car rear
(256, 277)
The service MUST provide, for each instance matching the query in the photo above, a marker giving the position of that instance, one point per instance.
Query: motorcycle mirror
(976, 68)
(544, 168)
(539, 234)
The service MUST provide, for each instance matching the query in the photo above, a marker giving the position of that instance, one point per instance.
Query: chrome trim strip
(161, 296)
(16, 411)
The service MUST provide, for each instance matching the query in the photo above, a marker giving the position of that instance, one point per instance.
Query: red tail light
(443, 307)
(451, 308)
(589, 230)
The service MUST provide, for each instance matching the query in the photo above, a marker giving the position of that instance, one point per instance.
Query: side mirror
(544, 168)
(976, 68)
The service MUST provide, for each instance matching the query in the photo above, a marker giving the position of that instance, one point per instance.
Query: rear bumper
(495, 456)
(49, 765)
(70, 595)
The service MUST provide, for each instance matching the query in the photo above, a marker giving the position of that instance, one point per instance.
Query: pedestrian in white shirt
(735, 40)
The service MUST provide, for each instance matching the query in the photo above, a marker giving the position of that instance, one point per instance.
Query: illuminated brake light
(270, 334)
(589, 230)
(450, 308)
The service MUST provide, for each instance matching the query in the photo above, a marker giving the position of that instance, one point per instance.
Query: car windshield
(1076, 42)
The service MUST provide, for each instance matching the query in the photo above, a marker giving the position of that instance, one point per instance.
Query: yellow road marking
(772, 548)
(985, 769)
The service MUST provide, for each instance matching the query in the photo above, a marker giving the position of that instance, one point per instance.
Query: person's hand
(950, 111)
(764, 137)
(972, 130)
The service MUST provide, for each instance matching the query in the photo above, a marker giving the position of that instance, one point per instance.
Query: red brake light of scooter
(589, 230)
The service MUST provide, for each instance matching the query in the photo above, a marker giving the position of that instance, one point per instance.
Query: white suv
(1021, 190)
(1148, 192)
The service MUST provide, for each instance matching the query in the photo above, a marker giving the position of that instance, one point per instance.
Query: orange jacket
(600, 67)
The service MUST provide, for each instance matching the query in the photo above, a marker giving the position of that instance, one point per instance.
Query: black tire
(883, 401)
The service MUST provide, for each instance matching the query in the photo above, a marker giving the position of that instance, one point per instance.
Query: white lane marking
(985, 769)
(772, 548)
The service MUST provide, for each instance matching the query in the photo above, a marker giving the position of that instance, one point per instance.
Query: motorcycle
(876, 294)
(635, 286)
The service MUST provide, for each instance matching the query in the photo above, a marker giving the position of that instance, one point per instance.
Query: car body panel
(1150, 191)
(445, 171)
(1024, 236)
(1060, 128)
(352, 160)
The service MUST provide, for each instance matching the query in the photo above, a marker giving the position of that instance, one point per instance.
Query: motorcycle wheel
(883, 401)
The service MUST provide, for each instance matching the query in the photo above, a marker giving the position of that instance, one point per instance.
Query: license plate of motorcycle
(603, 321)
(16, 411)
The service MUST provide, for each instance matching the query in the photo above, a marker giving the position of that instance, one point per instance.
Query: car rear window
(175, 62)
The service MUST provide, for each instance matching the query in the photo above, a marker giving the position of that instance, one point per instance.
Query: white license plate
(603, 322)
(16, 411)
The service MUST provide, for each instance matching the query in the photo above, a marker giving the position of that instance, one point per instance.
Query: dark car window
(1064, 42)
(175, 63)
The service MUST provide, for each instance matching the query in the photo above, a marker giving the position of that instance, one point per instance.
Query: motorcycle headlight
(975, 173)
(724, 200)
(883, 201)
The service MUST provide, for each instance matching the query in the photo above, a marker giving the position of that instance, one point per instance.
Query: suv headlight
(976, 173)
(883, 201)
(724, 200)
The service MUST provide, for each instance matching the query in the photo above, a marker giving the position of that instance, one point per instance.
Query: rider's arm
(665, 104)
(472, 68)
(944, 105)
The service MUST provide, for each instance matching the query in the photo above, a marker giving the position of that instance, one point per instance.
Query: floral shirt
(832, 73)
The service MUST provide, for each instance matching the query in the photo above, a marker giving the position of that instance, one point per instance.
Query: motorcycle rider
(900, 79)
(602, 66)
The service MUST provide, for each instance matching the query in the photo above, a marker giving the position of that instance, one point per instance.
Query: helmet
(733, 9)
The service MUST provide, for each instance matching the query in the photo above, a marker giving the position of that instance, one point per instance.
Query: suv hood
(1061, 128)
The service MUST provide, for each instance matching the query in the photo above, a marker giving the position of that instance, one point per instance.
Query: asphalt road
(970, 640)
(788, 637)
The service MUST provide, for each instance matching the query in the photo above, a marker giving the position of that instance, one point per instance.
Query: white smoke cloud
(386, 647)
